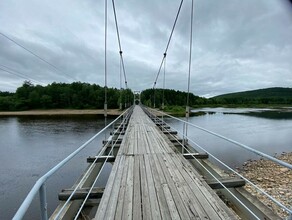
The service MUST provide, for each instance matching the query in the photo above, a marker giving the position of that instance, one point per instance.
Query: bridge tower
(137, 97)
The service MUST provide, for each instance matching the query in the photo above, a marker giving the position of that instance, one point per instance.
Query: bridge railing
(40, 185)
(186, 139)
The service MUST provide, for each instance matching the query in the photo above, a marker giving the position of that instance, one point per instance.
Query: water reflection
(269, 135)
(30, 146)
(281, 113)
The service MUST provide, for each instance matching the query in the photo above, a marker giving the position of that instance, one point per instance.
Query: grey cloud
(237, 45)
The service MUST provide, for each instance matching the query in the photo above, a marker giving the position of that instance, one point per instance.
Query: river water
(30, 146)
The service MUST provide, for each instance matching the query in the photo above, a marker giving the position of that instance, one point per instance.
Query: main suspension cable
(37, 56)
(17, 73)
(167, 46)
(120, 45)
(190, 67)
(105, 64)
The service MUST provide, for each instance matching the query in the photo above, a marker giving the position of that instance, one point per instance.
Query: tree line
(76, 95)
(262, 97)
(79, 95)
(154, 97)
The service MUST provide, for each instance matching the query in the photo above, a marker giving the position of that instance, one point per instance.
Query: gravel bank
(274, 179)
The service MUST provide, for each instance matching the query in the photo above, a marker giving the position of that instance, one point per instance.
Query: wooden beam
(119, 141)
(165, 127)
(96, 193)
(117, 133)
(175, 140)
(101, 159)
(228, 182)
(196, 155)
(169, 132)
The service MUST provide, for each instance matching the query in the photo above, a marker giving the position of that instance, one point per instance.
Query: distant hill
(276, 92)
(269, 96)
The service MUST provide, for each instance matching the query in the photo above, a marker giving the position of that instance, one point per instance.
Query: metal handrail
(102, 151)
(280, 162)
(40, 183)
(228, 167)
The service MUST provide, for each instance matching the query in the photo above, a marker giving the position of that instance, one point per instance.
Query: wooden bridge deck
(150, 180)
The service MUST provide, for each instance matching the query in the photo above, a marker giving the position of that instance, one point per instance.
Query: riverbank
(111, 112)
(276, 180)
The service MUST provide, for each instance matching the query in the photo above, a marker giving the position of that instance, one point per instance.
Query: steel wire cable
(102, 151)
(217, 180)
(17, 73)
(119, 42)
(37, 56)
(228, 167)
(168, 42)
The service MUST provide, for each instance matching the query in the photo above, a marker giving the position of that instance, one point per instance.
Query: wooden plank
(185, 199)
(155, 212)
(159, 180)
(210, 202)
(170, 201)
(211, 197)
(96, 193)
(123, 184)
(112, 204)
(110, 159)
(145, 191)
(104, 200)
(229, 183)
(191, 193)
(128, 197)
(190, 201)
(137, 202)
(169, 175)
(154, 182)
(196, 155)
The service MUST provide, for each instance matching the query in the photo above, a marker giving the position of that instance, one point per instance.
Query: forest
(171, 98)
(76, 95)
(268, 96)
(256, 98)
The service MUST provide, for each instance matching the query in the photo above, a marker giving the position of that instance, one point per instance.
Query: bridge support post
(43, 202)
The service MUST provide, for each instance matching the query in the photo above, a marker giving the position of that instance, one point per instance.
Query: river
(30, 146)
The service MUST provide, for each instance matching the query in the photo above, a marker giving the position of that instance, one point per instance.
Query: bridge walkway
(151, 180)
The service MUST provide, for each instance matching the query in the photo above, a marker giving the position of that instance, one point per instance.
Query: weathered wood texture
(149, 180)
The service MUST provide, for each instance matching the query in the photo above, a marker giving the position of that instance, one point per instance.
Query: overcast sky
(237, 45)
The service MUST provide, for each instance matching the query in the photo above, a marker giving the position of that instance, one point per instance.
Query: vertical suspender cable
(163, 82)
(105, 63)
(163, 88)
(121, 104)
(190, 66)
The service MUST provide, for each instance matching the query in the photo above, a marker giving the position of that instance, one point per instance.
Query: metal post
(43, 202)
(183, 140)
(113, 134)
(187, 120)
(123, 123)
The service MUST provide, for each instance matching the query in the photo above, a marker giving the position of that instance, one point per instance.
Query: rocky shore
(274, 179)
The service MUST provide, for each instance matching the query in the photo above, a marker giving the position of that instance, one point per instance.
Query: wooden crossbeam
(96, 193)
(117, 133)
(228, 182)
(170, 132)
(119, 141)
(101, 159)
(196, 155)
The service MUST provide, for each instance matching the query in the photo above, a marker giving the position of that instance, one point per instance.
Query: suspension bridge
(157, 172)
